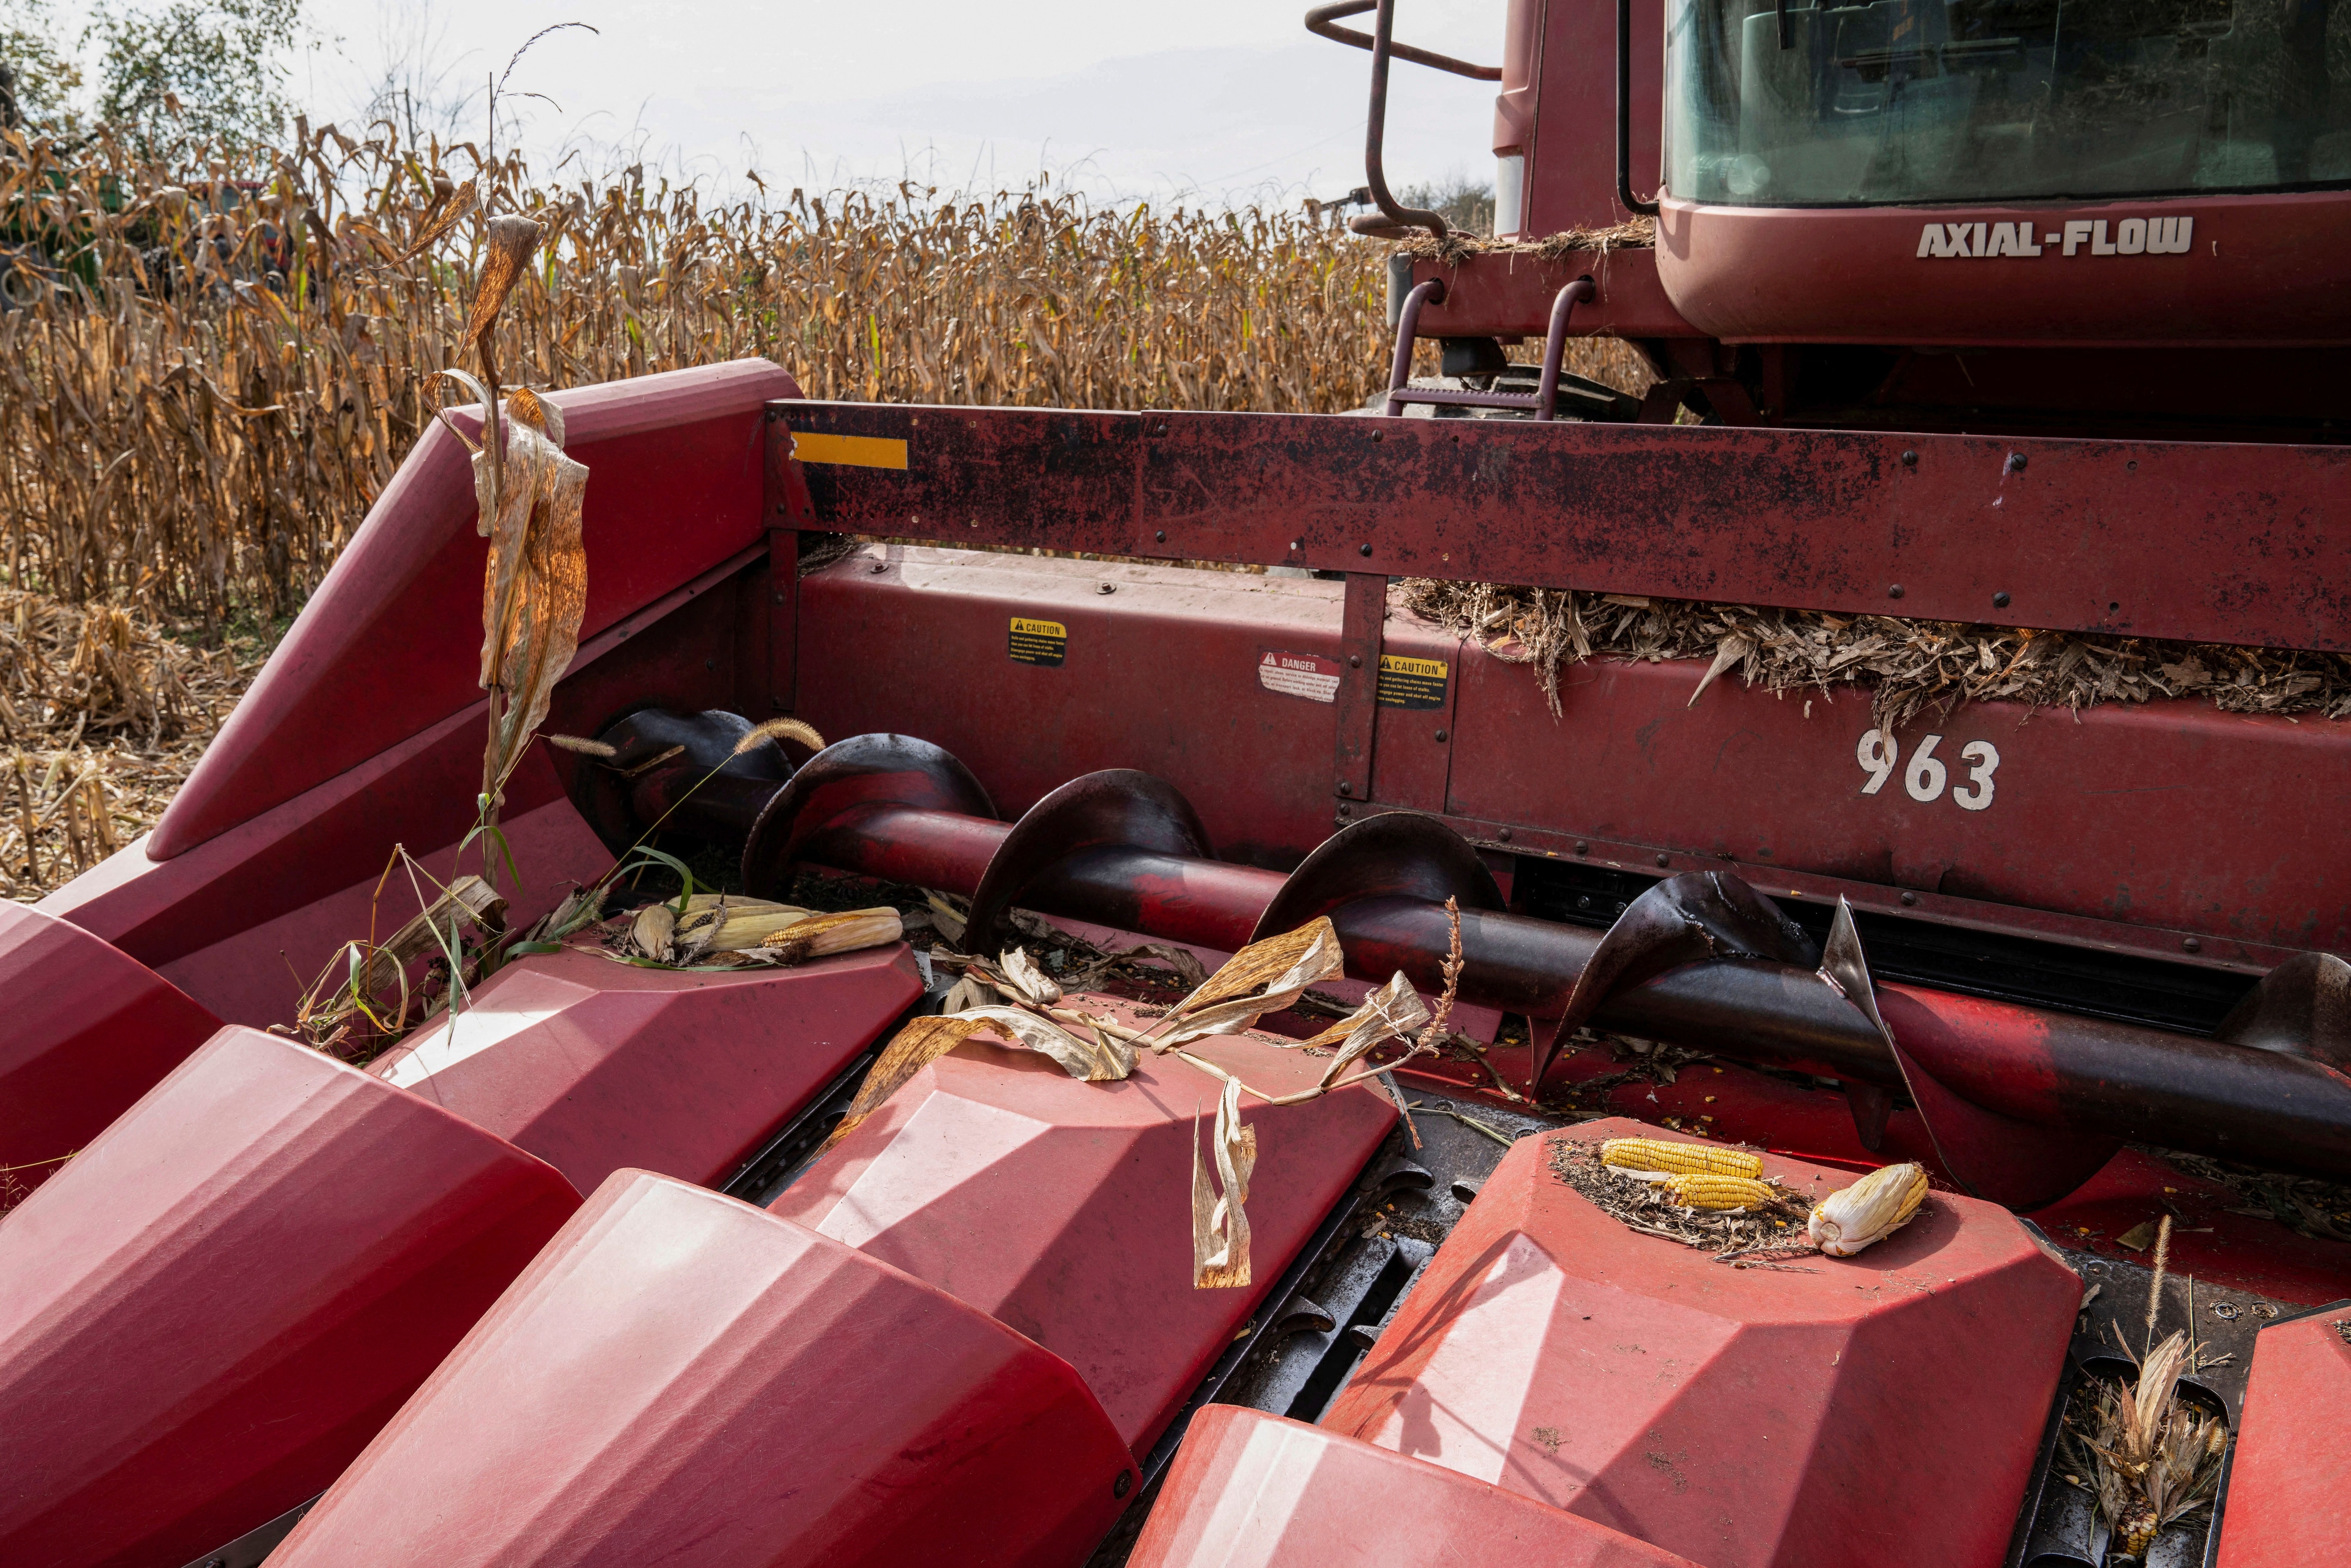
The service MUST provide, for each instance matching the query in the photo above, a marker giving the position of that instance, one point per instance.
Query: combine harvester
(1982, 320)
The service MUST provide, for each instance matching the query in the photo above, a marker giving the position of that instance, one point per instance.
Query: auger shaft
(1122, 851)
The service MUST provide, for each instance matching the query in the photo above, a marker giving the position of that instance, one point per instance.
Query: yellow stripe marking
(853, 451)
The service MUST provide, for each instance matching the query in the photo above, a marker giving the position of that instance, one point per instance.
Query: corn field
(212, 372)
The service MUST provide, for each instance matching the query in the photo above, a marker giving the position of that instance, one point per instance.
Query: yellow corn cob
(1679, 1159)
(1704, 1191)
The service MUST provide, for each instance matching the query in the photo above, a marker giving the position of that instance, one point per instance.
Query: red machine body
(1938, 331)
(1031, 1196)
(1253, 1491)
(96, 1029)
(2286, 1493)
(207, 1313)
(681, 1376)
(1737, 1417)
(593, 1064)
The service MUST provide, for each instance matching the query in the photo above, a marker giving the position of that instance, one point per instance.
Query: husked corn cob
(1663, 1158)
(1704, 1191)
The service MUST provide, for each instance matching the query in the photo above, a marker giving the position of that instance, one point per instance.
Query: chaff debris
(1907, 668)
(2306, 1206)
(1743, 1238)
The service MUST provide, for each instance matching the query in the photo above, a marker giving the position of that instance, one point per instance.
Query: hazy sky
(1217, 98)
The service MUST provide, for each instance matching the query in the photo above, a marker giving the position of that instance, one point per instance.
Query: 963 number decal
(1925, 776)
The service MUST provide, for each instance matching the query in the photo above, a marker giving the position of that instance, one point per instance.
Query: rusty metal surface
(861, 772)
(1510, 293)
(2200, 541)
(2165, 831)
(2302, 1006)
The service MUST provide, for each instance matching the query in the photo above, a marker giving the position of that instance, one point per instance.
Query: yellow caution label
(1411, 682)
(851, 451)
(1039, 642)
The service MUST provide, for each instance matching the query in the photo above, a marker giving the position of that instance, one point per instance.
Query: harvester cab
(1196, 988)
(1914, 214)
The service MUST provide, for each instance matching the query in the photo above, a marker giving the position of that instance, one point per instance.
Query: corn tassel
(1718, 1192)
(1656, 1158)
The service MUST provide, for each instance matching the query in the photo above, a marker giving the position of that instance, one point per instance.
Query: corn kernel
(1660, 1157)
(1718, 1192)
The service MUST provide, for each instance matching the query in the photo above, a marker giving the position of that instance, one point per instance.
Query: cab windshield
(1946, 101)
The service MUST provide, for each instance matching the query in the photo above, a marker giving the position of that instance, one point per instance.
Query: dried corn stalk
(1388, 1013)
(2155, 1458)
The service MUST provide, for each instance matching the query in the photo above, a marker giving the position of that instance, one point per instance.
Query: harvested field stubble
(103, 712)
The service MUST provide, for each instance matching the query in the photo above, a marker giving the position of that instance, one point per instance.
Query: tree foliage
(38, 78)
(190, 71)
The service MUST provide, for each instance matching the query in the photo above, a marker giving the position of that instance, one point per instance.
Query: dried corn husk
(1220, 1232)
(1868, 1211)
(652, 933)
(821, 935)
(1017, 966)
(748, 922)
(1099, 1059)
(1263, 977)
(1392, 1011)
(468, 901)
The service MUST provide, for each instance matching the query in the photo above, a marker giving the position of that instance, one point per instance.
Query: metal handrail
(1324, 23)
(1538, 402)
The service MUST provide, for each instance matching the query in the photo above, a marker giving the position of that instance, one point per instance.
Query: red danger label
(1309, 675)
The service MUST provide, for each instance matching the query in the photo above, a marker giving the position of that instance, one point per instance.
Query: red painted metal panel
(89, 1030)
(391, 644)
(207, 1313)
(2171, 814)
(2197, 541)
(1063, 1208)
(1736, 1416)
(1572, 156)
(681, 1377)
(1164, 674)
(1505, 294)
(593, 1064)
(2234, 1252)
(1253, 1491)
(2144, 826)
(258, 975)
(2261, 269)
(2287, 1494)
(298, 864)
